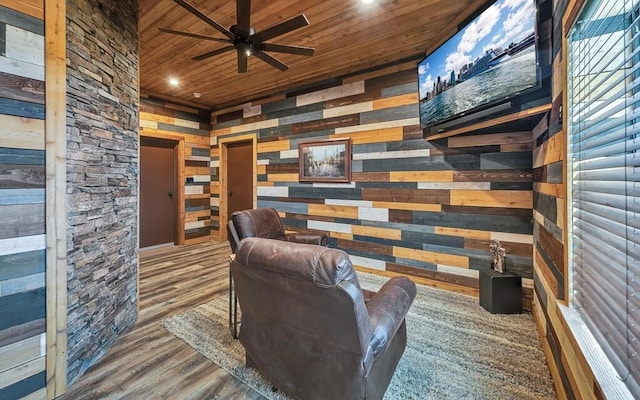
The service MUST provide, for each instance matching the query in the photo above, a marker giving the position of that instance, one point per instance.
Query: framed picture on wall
(325, 161)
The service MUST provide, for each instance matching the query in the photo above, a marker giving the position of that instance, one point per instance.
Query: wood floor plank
(150, 363)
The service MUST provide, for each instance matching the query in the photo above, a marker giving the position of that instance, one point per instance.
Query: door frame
(55, 142)
(180, 210)
(223, 206)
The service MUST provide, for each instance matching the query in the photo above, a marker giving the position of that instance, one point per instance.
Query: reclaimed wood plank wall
(159, 117)
(22, 201)
(424, 209)
(572, 375)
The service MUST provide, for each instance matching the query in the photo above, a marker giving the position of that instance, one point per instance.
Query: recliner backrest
(266, 223)
(260, 222)
(313, 289)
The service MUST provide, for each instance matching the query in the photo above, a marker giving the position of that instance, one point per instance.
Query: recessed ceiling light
(174, 82)
(367, 1)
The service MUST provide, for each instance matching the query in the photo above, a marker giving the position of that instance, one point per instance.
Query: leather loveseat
(266, 223)
(305, 324)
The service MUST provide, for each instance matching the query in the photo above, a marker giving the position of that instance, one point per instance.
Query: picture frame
(325, 161)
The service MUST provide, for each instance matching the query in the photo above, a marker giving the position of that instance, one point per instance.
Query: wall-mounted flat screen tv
(489, 60)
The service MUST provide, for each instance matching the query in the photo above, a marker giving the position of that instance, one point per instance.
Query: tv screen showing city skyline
(490, 59)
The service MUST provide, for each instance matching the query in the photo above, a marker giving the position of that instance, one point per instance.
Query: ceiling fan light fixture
(245, 48)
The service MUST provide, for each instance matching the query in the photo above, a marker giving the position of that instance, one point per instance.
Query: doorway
(158, 194)
(238, 180)
(239, 175)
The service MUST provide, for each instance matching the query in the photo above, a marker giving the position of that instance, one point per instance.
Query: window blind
(604, 178)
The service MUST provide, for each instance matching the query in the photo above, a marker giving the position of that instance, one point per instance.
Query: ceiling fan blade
(282, 48)
(243, 14)
(213, 53)
(193, 35)
(284, 27)
(205, 18)
(271, 60)
(242, 62)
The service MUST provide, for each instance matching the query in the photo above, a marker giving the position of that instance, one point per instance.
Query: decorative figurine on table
(498, 256)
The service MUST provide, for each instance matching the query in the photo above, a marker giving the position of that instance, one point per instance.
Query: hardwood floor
(150, 363)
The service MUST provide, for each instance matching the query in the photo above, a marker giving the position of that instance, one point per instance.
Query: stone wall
(102, 176)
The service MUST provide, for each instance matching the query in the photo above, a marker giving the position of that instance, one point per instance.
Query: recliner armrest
(232, 236)
(387, 310)
(308, 238)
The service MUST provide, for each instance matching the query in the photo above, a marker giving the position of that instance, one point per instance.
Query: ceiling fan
(244, 39)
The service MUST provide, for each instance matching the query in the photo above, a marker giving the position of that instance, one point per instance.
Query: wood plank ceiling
(348, 36)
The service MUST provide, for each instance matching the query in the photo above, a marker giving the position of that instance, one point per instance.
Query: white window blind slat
(628, 218)
(623, 188)
(604, 65)
(604, 172)
(608, 199)
(633, 222)
(608, 141)
(616, 227)
(602, 115)
(610, 174)
(594, 276)
(616, 131)
(616, 334)
(614, 254)
(602, 336)
(599, 46)
(596, 110)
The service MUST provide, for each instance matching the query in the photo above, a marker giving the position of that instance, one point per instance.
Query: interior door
(239, 176)
(157, 192)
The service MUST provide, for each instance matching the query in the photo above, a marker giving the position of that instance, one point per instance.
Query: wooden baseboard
(428, 282)
(198, 240)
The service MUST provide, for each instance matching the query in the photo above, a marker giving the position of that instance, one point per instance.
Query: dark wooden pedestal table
(500, 293)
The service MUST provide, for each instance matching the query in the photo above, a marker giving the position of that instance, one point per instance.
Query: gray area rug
(455, 349)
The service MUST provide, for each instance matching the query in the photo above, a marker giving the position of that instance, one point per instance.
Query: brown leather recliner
(306, 326)
(265, 223)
